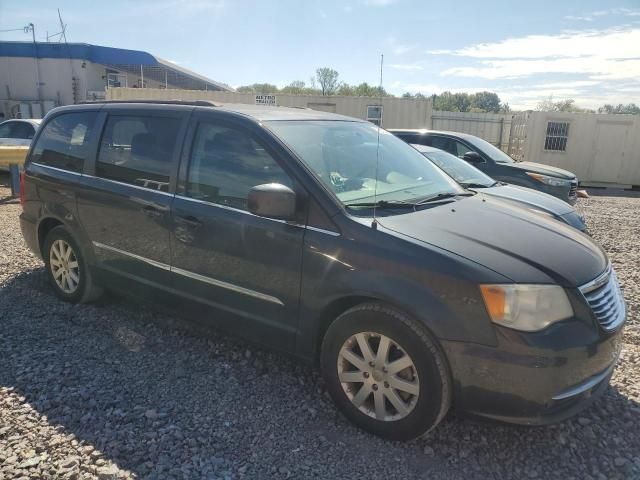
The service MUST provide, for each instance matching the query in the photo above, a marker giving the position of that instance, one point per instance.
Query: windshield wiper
(443, 196)
(383, 204)
(477, 185)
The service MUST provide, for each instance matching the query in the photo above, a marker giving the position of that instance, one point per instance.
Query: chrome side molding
(194, 276)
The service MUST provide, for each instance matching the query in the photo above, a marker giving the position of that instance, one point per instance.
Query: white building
(602, 150)
(35, 77)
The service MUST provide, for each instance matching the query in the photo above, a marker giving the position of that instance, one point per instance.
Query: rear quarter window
(63, 142)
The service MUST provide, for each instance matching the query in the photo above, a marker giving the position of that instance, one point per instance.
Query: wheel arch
(340, 305)
(48, 223)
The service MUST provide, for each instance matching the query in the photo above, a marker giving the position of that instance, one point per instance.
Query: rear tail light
(22, 189)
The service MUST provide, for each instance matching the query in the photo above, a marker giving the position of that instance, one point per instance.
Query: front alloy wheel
(385, 371)
(378, 376)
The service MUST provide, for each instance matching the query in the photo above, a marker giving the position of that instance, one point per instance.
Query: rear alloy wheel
(385, 372)
(66, 267)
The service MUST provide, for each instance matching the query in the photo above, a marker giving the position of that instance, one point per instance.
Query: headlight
(547, 180)
(526, 307)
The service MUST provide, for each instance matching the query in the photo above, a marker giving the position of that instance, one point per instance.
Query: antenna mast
(374, 223)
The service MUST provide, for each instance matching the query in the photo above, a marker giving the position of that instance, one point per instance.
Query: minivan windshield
(461, 171)
(342, 154)
(491, 151)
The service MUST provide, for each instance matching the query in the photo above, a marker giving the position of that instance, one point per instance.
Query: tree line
(326, 81)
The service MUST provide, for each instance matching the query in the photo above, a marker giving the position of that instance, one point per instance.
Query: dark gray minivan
(323, 236)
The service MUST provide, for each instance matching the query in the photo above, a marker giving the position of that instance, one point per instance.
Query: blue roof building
(44, 75)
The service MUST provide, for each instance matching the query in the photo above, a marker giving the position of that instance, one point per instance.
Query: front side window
(443, 143)
(458, 169)
(226, 163)
(460, 149)
(347, 158)
(491, 151)
(63, 142)
(138, 150)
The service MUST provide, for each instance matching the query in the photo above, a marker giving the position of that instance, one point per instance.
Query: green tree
(295, 87)
(452, 102)
(262, 88)
(345, 90)
(630, 108)
(566, 105)
(328, 80)
(485, 102)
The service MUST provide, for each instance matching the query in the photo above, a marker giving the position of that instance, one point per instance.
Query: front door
(244, 266)
(125, 205)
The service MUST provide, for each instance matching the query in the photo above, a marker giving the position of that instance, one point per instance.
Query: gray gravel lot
(116, 390)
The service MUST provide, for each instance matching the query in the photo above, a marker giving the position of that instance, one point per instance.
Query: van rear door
(125, 204)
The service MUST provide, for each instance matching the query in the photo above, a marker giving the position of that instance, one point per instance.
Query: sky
(524, 51)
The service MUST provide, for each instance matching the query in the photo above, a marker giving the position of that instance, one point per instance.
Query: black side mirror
(272, 200)
(472, 157)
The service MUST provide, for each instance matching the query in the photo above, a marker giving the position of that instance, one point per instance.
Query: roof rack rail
(197, 103)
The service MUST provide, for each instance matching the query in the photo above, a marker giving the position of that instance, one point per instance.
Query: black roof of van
(257, 112)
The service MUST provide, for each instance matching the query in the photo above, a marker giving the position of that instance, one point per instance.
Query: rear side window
(226, 163)
(23, 130)
(5, 130)
(63, 142)
(138, 150)
(408, 137)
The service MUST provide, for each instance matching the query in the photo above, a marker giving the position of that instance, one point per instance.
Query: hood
(530, 198)
(543, 169)
(524, 246)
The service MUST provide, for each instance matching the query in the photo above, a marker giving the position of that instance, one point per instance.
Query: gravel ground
(116, 390)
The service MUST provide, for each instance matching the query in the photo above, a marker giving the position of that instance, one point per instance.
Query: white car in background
(18, 132)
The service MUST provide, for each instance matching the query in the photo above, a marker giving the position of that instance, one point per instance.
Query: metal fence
(518, 135)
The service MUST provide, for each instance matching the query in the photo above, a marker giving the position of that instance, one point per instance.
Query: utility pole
(31, 27)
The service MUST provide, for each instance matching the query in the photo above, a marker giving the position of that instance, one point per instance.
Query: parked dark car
(497, 164)
(325, 237)
(470, 177)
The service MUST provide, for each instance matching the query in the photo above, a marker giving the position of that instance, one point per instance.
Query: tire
(79, 286)
(423, 387)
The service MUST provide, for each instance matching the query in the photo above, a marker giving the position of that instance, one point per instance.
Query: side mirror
(472, 157)
(272, 200)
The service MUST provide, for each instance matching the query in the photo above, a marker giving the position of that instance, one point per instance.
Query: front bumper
(567, 193)
(534, 378)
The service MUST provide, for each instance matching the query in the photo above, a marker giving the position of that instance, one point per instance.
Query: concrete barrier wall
(9, 155)
(492, 127)
(398, 112)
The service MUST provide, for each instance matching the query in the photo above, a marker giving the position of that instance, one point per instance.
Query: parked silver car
(470, 177)
(18, 132)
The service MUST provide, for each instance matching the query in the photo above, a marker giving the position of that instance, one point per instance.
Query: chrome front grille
(573, 190)
(605, 299)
